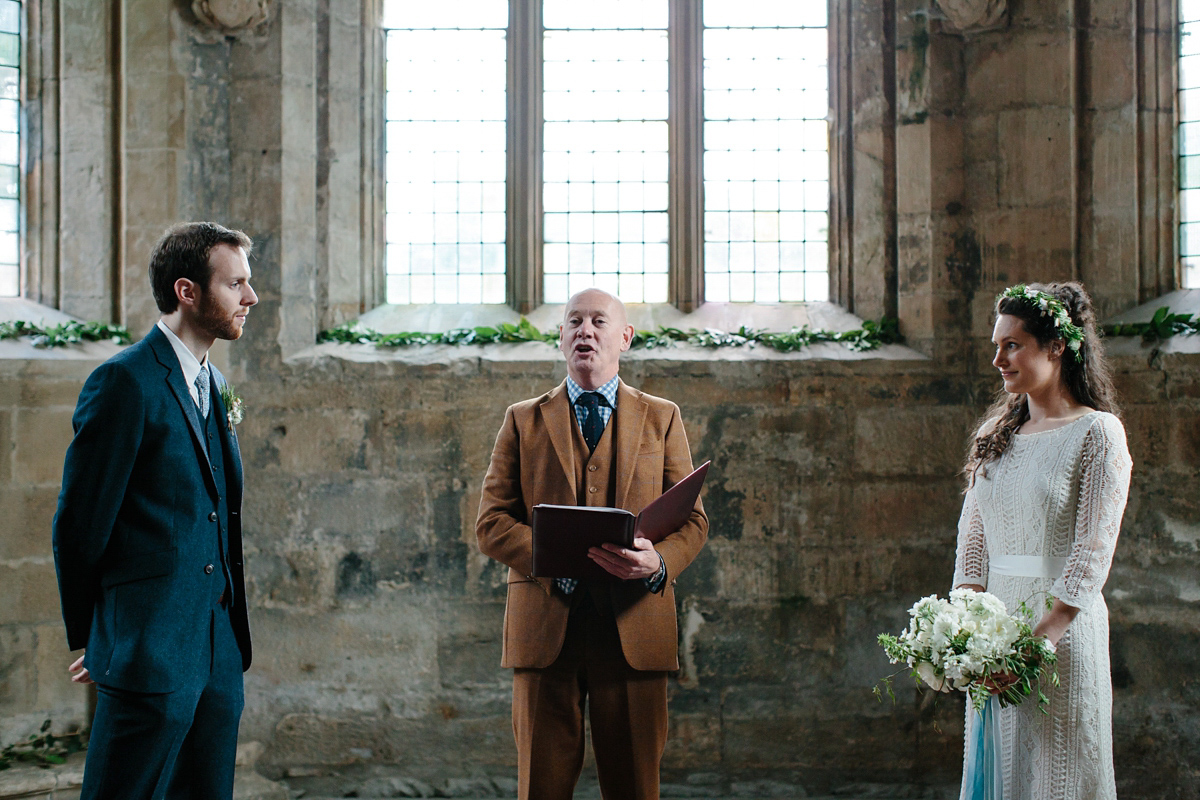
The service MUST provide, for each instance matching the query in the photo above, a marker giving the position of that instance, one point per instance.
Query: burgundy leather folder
(563, 534)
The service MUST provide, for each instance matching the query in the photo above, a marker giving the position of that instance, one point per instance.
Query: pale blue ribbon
(984, 779)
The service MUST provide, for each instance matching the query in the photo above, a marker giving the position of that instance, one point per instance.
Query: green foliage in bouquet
(43, 749)
(968, 642)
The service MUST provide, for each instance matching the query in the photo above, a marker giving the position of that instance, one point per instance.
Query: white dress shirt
(187, 361)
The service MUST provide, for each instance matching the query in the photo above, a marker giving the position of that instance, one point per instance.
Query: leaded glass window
(10, 148)
(590, 98)
(445, 151)
(766, 160)
(1189, 142)
(605, 156)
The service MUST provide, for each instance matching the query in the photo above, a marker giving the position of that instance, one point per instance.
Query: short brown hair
(183, 252)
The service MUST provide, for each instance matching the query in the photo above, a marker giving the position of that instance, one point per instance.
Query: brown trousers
(627, 709)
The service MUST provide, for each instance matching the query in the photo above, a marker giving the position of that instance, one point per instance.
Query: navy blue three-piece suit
(148, 548)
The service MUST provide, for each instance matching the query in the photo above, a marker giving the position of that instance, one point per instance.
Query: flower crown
(1050, 306)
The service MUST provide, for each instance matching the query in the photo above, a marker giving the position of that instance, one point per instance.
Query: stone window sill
(1181, 301)
(15, 308)
(719, 316)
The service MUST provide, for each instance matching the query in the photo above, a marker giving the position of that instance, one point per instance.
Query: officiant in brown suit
(593, 441)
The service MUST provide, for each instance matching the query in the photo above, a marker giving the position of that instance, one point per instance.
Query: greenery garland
(66, 333)
(868, 337)
(44, 749)
(1161, 327)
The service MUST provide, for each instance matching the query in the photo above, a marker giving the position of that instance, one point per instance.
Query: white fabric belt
(1027, 566)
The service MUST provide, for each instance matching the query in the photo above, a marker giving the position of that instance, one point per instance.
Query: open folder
(563, 534)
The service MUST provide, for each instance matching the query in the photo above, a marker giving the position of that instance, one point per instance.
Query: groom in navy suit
(148, 536)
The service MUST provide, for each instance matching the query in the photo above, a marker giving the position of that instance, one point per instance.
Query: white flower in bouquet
(957, 644)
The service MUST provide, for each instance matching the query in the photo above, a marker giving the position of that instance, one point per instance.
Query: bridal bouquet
(959, 643)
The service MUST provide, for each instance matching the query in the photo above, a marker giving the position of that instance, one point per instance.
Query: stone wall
(37, 398)
(833, 498)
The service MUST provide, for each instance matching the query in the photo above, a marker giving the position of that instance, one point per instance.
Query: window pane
(1189, 142)
(766, 163)
(10, 49)
(445, 144)
(9, 280)
(605, 167)
(10, 215)
(10, 16)
(10, 148)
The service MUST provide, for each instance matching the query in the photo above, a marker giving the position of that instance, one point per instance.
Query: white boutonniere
(235, 409)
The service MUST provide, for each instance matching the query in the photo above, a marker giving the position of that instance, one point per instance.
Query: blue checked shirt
(609, 392)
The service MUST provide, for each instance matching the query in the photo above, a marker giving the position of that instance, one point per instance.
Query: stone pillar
(863, 168)
(82, 144)
(937, 255)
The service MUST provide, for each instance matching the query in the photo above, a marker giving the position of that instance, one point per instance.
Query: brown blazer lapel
(631, 418)
(556, 415)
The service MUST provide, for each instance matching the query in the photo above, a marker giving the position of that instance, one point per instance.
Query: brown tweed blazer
(533, 462)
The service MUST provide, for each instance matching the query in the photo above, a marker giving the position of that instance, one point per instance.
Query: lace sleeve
(1105, 467)
(971, 558)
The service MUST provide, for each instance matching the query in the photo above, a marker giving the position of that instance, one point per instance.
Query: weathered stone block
(1038, 14)
(18, 674)
(42, 437)
(55, 690)
(1111, 72)
(1029, 68)
(1147, 433)
(1021, 245)
(913, 157)
(28, 512)
(85, 36)
(1118, 14)
(1035, 156)
(886, 443)
(307, 442)
(1184, 446)
(28, 593)
(693, 742)
(42, 391)
(154, 113)
(153, 180)
(7, 446)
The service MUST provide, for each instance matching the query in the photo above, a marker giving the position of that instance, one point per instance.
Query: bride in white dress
(1048, 476)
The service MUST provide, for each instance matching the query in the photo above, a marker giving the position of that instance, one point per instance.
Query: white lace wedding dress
(1058, 493)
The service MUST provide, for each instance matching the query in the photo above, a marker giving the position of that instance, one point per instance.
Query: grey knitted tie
(202, 391)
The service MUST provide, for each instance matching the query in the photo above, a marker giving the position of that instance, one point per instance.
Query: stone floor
(62, 783)
(697, 787)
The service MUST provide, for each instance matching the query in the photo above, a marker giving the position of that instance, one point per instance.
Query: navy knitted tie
(593, 426)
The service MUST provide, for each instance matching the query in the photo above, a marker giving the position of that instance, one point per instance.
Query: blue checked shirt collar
(608, 391)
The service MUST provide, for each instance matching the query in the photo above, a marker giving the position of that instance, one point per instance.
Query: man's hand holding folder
(578, 541)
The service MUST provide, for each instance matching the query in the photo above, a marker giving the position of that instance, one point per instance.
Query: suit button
(212, 517)
(208, 569)
(593, 489)
(592, 468)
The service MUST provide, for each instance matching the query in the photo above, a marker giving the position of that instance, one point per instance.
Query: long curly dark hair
(1089, 380)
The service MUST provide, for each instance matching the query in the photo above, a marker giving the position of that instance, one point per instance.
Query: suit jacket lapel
(556, 412)
(174, 379)
(630, 418)
(228, 436)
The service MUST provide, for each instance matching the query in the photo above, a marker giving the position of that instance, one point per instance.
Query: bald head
(593, 297)
(594, 332)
